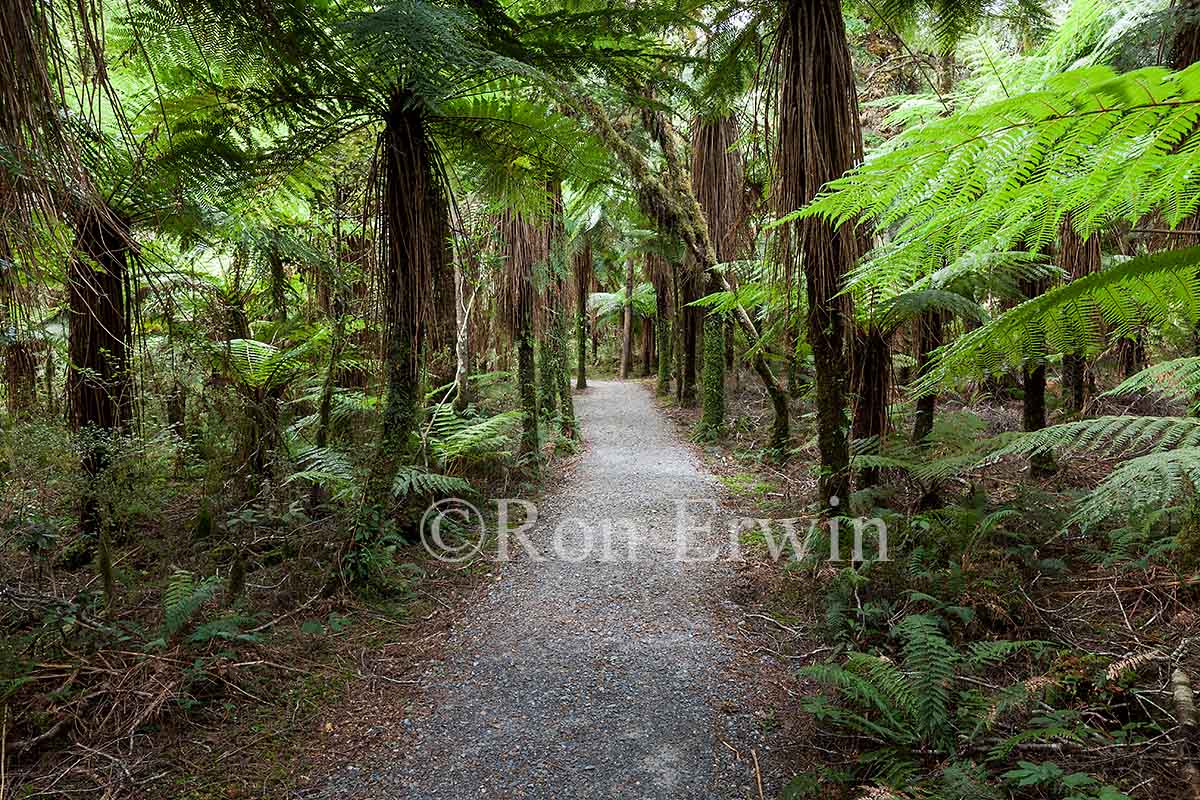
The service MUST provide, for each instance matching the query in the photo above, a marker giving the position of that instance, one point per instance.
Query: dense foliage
(275, 277)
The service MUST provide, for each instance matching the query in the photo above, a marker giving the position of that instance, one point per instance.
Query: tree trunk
(416, 224)
(662, 336)
(316, 495)
(872, 374)
(647, 345)
(567, 424)
(929, 337)
(1185, 43)
(583, 277)
(627, 340)
(1033, 404)
(713, 417)
(98, 382)
(691, 320)
(279, 282)
(526, 380)
(1078, 258)
(548, 398)
(820, 138)
(463, 306)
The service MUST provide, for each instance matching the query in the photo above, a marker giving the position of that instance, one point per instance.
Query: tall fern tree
(717, 180)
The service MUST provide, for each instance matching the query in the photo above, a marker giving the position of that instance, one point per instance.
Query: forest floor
(604, 666)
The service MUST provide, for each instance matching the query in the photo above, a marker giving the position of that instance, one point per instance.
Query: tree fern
(1077, 317)
(1177, 379)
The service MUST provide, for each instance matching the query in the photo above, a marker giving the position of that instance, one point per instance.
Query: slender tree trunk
(929, 337)
(820, 138)
(691, 320)
(1033, 406)
(647, 345)
(463, 307)
(662, 334)
(279, 282)
(51, 388)
(530, 445)
(795, 384)
(1077, 258)
(627, 340)
(548, 398)
(872, 373)
(325, 406)
(98, 382)
(583, 277)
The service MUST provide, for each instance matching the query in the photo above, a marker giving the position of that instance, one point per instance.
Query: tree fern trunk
(647, 345)
(872, 372)
(713, 418)
(99, 388)
(1078, 258)
(583, 277)
(687, 397)
(415, 228)
(662, 335)
(98, 381)
(279, 281)
(627, 338)
(567, 424)
(530, 446)
(820, 138)
(1033, 404)
(929, 338)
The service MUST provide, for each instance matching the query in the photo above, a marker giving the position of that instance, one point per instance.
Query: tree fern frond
(1139, 293)
(1177, 379)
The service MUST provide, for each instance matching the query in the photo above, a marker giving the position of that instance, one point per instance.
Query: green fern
(183, 597)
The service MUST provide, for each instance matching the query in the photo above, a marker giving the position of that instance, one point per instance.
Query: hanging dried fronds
(717, 181)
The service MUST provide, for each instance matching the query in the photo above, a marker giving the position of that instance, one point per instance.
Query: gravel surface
(577, 677)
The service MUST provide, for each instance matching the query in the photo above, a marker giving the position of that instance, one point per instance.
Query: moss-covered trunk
(713, 417)
(527, 387)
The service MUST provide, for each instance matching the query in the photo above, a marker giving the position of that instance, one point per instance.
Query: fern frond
(1143, 292)
(1177, 379)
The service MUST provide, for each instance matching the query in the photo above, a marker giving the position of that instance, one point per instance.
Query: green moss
(663, 337)
(713, 418)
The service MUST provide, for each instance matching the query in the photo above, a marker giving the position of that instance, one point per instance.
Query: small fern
(182, 599)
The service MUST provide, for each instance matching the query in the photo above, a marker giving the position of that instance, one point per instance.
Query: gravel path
(590, 678)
